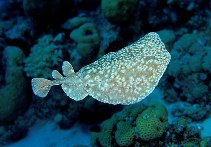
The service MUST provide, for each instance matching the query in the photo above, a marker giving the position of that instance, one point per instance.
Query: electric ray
(123, 77)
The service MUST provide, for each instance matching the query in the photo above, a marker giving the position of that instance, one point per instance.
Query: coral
(168, 38)
(124, 134)
(108, 125)
(5, 26)
(179, 133)
(151, 123)
(119, 11)
(104, 137)
(194, 112)
(13, 91)
(131, 112)
(206, 61)
(122, 128)
(190, 53)
(20, 29)
(85, 34)
(108, 34)
(188, 73)
(135, 111)
(205, 142)
(76, 22)
(43, 57)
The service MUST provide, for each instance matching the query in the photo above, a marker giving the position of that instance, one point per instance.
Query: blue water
(37, 36)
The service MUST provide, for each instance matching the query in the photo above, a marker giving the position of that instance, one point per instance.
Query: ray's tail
(71, 84)
(41, 86)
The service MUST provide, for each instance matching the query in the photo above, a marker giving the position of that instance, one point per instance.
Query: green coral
(131, 111)
(122, 129)
(124, 134)
(205, 142)
(43, 57)
(104, 137)
(12, 94)
(151, 123)
(85, 34)
(119, 11)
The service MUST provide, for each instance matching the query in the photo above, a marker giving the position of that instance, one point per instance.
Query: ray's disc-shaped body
(128, 75)
(123, 77)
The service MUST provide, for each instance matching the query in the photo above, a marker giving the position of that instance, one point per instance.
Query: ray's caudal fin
(70, 82)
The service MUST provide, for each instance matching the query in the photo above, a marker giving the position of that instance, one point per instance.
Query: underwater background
(36, 36)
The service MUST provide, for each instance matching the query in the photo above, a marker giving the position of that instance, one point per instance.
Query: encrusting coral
(104, 137)
(148, 126)
(123, 77)
(124, 129)
(125, 133)
(151, 123)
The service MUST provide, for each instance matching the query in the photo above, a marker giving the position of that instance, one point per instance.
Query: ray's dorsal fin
(73, 86)
(67, 69)
(56, 75)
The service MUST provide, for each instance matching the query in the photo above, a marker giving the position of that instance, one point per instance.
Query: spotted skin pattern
(123, 77)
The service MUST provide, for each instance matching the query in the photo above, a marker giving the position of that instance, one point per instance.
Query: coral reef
(188, 75)
(36, 36)
(151, 123)
(125, 129)
(194, 112)
(13, 96)
(168, 37)
(44, 56)
(85, 40)
(176, 13)
(124, 134)
(132, 125)
(19, 29)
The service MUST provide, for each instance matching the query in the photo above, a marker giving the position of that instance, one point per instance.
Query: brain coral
(152, 122)
(132, 125)
(124, 134)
